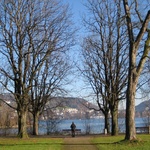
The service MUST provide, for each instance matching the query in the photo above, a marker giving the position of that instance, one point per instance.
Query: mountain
(79, 105)
(73, 108)
(82, 104)
(144, 106)
(71, 102)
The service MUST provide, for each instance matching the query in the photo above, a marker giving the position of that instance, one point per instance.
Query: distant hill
(71, 102)
(79, 103)
(143, 106)
(72, 108)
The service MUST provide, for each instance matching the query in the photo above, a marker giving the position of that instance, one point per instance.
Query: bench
(143, 129)
(68, 131)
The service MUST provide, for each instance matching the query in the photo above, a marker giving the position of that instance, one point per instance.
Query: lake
(93, 126)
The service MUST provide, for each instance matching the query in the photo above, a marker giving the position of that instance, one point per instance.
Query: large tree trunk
(35, 124)
(114, 121)
(134, 74)
(107, 125)
(22, 125)
(130, 95)
(130, 108)
(135, 68)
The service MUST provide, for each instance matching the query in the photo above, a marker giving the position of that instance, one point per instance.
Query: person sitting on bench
(73, 127)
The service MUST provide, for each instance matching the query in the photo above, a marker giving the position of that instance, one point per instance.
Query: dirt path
(78, 143)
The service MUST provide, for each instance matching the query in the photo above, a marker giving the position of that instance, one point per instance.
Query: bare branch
(145, 54)
(142, 30)
(136, 9)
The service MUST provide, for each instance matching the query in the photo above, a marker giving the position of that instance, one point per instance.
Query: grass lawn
(30, 144)
(101, 142)
(116, 143)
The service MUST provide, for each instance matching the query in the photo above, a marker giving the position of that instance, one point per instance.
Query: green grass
(118, 143)
(30, 144)
(102, 142)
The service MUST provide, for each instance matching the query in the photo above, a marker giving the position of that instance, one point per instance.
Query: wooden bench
(143, 129)
(68, 131)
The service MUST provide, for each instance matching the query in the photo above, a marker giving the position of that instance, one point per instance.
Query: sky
(76, 8)
(77, 86)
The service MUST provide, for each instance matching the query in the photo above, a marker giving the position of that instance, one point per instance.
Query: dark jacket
(73, 126)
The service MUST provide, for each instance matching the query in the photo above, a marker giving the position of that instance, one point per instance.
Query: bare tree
(105, 59)
(48, 84)
(136, 61)
(30, 32)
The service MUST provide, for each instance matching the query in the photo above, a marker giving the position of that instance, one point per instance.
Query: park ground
(79, 143)
(82, 142)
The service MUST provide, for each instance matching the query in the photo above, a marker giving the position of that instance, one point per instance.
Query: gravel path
(78, 143)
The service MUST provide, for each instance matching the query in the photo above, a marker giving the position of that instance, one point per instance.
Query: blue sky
(77, 87)
(76, 7)
(77, 10)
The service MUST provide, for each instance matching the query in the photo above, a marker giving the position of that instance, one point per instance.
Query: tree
(30, 32)
(136, 61)
(104, 57)
(46, 85)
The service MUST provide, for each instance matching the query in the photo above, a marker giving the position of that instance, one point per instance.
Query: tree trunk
(22, 125)
(114, 121)
(135, 68)
(19, 123)
(35, 124)
(107, 125)
(130, 110)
